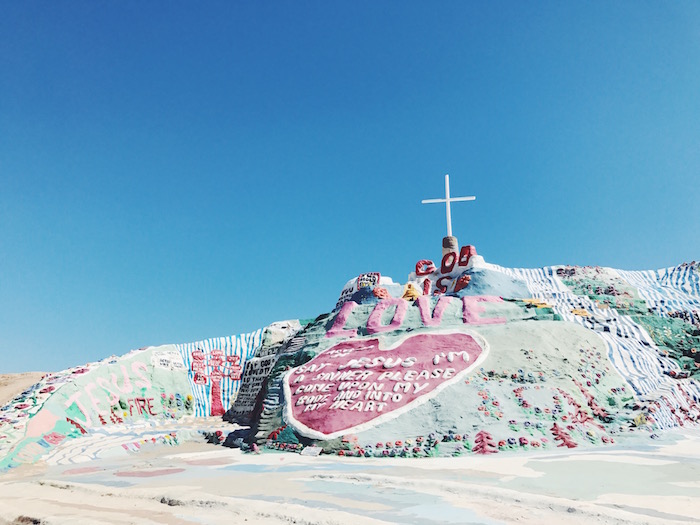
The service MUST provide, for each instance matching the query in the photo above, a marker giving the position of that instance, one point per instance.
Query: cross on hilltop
(447, 200)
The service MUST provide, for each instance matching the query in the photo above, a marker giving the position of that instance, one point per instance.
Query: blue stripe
(244, 346)
(630, 348)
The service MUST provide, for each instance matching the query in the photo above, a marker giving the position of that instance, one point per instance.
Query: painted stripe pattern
(630, 348)
(215, 368)
(668, 290)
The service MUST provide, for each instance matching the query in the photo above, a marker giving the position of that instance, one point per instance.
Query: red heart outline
(319, 417)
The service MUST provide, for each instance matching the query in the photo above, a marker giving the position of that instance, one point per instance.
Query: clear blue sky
(172, 171)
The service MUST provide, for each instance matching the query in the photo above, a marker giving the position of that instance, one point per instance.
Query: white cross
(447, 200)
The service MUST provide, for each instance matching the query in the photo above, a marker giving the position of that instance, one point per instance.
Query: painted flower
(380, 292)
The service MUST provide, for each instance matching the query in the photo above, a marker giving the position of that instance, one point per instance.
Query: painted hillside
(472, 357)
(464, 357)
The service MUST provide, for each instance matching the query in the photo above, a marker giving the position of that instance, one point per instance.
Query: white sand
(218, 485)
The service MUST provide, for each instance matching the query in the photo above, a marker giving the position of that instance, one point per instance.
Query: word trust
(471, 314)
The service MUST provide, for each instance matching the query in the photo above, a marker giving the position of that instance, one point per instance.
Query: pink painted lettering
(435, 318)
(337, 329)
(127, 388)
(139, 369)
(471, 310)
(374, 323)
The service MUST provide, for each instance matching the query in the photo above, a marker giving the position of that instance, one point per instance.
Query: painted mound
(124, 402)
(475, 357)
(464, 357)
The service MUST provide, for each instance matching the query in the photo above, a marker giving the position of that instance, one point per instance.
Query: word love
(356, 384)
(471, 314)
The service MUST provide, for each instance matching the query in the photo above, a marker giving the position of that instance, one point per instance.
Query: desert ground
(200, 483)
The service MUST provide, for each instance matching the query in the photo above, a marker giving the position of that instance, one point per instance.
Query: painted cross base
(449, 244)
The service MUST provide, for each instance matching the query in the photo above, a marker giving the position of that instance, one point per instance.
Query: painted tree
(484, 443)
(221, 367)
(216, 377)
(562, 435)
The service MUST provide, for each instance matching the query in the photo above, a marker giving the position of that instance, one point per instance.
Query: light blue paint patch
(407, 506)
(491, 282)
(445, 513)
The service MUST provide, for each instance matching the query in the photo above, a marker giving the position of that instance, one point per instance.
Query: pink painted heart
(356, 385)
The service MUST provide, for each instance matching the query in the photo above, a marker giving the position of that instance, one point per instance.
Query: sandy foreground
(202, 483)
(194, 482)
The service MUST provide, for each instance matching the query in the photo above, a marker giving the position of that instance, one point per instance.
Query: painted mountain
(465, 357)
